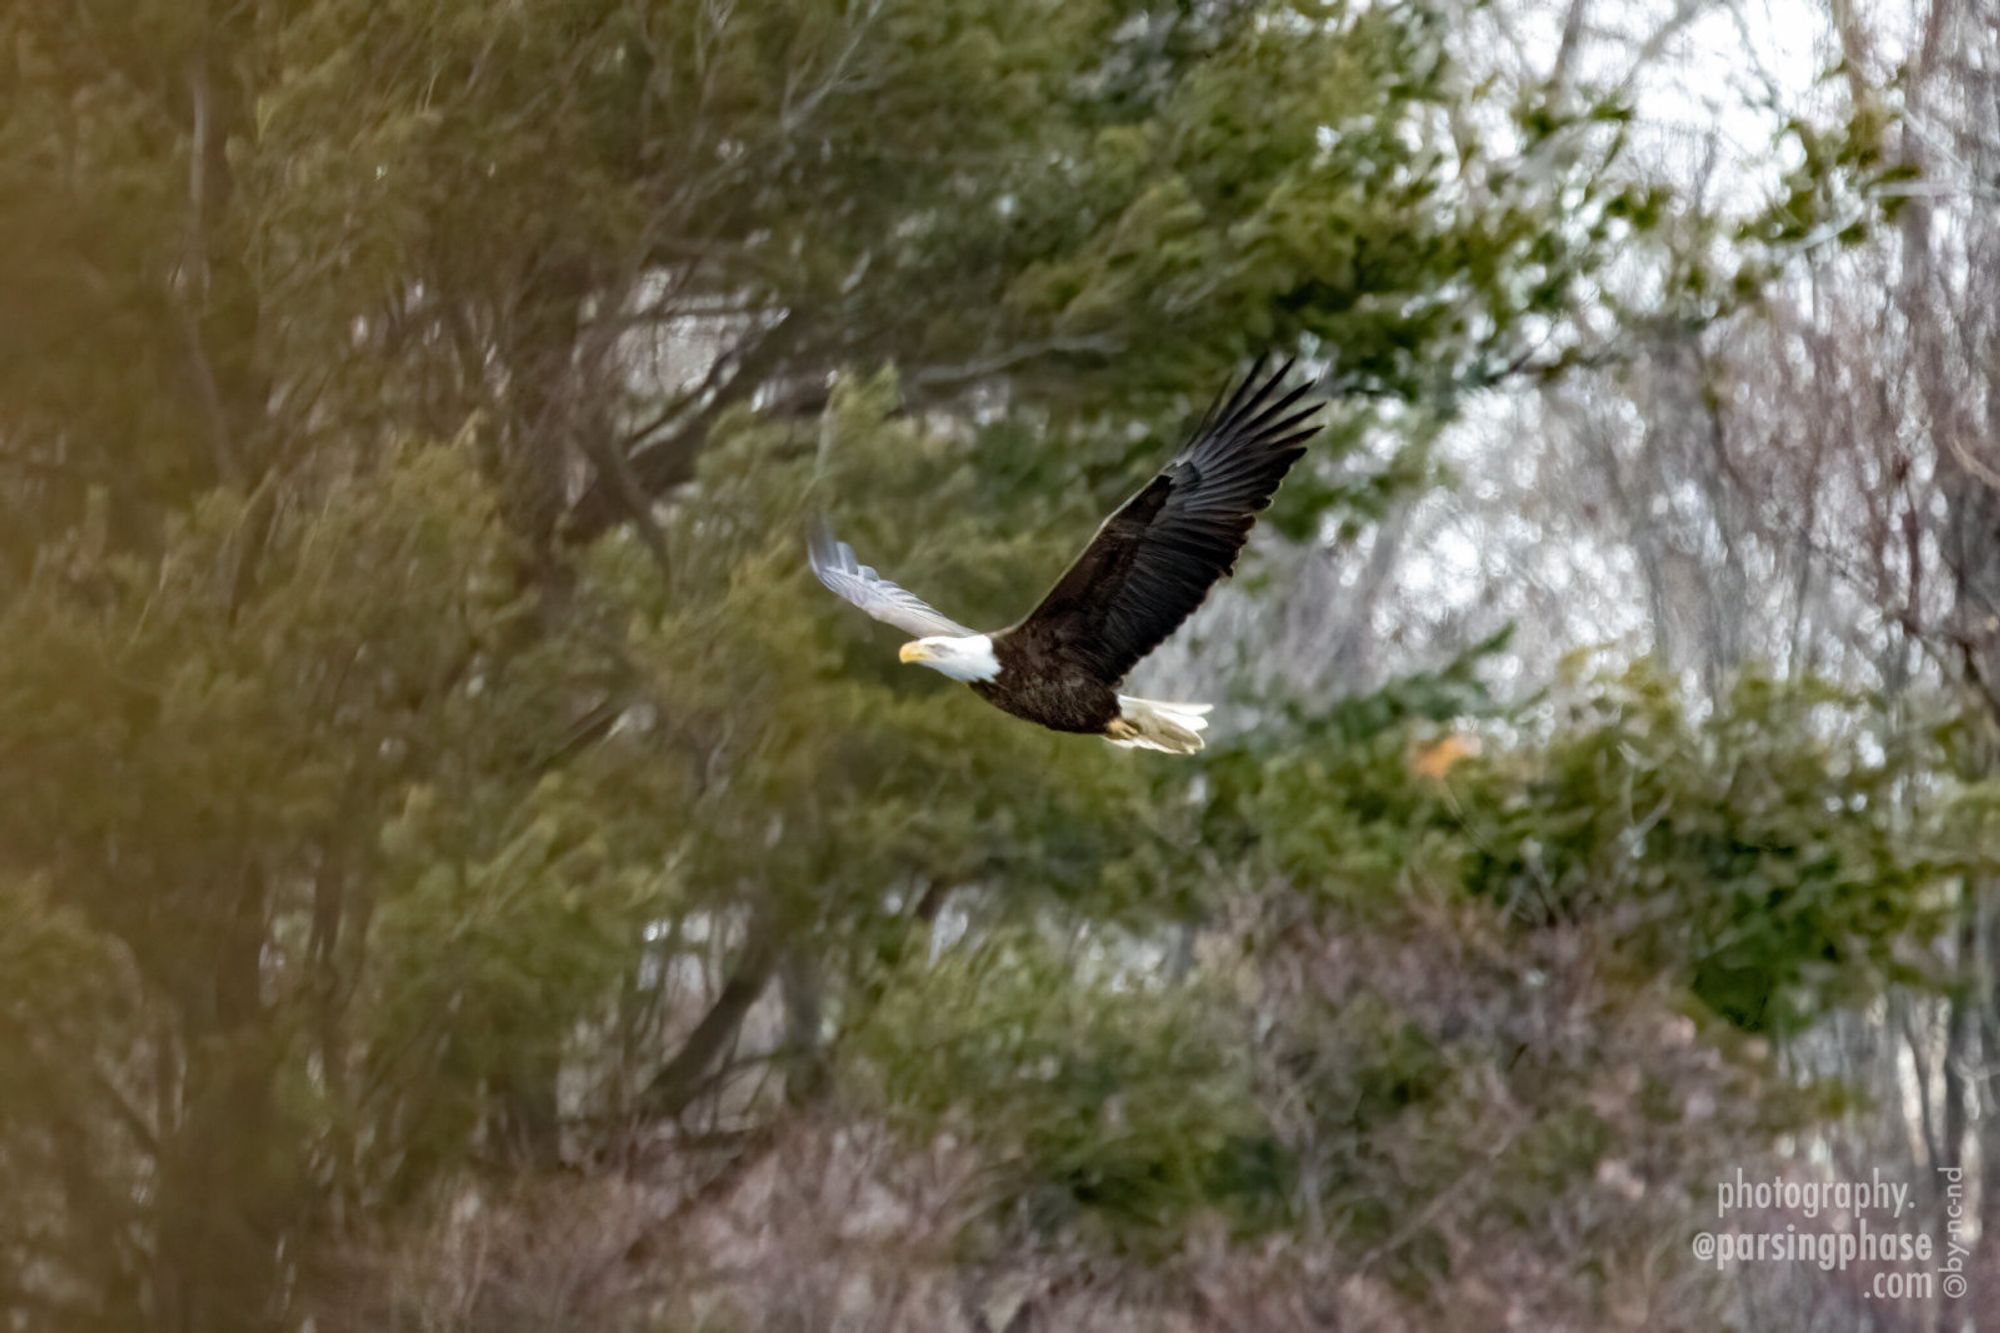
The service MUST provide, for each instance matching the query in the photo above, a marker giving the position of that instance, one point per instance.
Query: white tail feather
(1148, 724)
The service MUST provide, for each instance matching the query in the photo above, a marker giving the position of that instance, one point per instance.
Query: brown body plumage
(1067, 702)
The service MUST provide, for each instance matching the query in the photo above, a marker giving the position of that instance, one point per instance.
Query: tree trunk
(221, 1199)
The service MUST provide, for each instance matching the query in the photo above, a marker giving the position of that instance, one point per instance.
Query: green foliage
(1778, 854)
(1752, 868)
(1118, 1107)
(418, 214)
(1788, 852)
(69, 989)
(486, 958)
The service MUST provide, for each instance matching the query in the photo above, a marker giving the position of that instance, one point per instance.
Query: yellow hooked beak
(914, 652)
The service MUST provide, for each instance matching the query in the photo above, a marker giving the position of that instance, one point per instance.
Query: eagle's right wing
(1154, 560)
(833, 561)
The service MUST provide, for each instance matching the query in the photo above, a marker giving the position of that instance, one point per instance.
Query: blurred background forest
(458, 873)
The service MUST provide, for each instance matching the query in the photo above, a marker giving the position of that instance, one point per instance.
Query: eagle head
(968, 659)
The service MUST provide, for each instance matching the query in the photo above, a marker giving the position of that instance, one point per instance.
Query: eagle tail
(1148, 724)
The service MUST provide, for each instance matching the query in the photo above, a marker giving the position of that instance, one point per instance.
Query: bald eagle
(1147, 569)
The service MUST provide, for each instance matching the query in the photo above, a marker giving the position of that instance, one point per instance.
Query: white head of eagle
(968, 658)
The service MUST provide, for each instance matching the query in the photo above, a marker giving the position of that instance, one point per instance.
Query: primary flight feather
(1147, 569)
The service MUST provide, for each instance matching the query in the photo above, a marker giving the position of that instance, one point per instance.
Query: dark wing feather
(1154, 560)
(833, 561)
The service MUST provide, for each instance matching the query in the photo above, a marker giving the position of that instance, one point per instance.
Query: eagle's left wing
(833, 561)
(1154, 560)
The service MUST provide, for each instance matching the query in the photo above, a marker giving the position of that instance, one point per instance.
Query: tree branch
(681, 1079)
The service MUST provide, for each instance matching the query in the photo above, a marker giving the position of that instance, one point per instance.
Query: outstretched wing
(834, 562)
(1154, 560)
